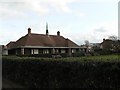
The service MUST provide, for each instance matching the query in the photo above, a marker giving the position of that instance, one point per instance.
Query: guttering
(45, 47)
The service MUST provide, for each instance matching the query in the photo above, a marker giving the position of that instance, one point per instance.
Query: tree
(87, 45)
(115, 45)
(114, 38)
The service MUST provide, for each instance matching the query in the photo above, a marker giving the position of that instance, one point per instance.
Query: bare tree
(114, 38)
(87, 45)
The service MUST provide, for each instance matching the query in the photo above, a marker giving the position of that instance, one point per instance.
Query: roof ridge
(44, 34)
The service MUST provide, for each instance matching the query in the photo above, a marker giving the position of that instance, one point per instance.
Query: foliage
(102, 58)
(72, 72)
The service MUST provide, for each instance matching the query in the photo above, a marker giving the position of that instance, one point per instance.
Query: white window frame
(73, 50)
(46, 51)
(34, 51)
(63, 51)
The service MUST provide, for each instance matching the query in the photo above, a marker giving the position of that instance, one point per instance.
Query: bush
(44, 55)
(60, 74)
(78, 54)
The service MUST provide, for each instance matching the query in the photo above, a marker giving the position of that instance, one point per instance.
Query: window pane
(35, 51)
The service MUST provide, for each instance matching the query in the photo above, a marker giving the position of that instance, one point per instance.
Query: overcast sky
(78, 20)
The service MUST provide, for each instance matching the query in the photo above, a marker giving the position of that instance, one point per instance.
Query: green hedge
(44, 55)
(60, 74)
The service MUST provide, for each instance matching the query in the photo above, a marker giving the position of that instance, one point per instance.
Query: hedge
(60, 74)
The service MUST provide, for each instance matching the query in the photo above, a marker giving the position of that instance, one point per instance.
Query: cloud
(98, 1)
(62, 5)
(11, 8)
(80, 14)
(101, 30)
(11, 34)
(22, 8)
(7, 9)
(109, 27)
(96, 33)
(14, 8)
(105, 29)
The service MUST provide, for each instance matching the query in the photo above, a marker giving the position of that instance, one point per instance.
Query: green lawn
(103, 58)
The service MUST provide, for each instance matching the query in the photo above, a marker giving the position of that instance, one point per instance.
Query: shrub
(42, 73)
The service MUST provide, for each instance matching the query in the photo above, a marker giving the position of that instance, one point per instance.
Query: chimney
(103, 39)
(58, 33)
(29, 31)
(47, 33)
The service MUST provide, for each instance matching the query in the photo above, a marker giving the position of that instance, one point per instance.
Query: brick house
(112, 45)
(32, 43)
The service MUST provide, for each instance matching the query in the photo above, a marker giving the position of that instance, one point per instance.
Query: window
(22, 51)
(40, 51)
(34, 51)
(57, 51)
(62, 51)
(46, 51)
(73, 50)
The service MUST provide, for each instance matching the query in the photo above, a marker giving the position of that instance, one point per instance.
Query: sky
(78, 20)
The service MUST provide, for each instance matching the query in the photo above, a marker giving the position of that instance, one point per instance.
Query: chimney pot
(29, 31)
(58, 33)
(103, 39)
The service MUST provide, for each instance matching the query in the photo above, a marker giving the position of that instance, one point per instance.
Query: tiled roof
(10, 45)
(108, 41)
(44, 40)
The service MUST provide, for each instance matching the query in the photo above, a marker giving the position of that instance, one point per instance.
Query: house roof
(108, 40)
(10, 44)
(42, 40)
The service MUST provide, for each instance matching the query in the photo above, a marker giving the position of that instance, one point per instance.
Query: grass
(103, 58)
